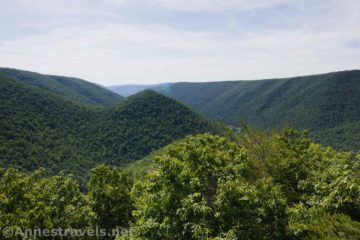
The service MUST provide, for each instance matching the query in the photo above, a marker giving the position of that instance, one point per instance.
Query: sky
(113, 42)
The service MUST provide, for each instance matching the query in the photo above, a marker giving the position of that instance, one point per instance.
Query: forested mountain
(42, 129)
(326, 104)
(72, 88)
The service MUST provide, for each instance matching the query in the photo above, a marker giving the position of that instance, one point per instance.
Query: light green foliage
(260, 186)
(56, 202)
(314, 223)
(35, 201)
(109, 197)
(200, 188)
(251, 211)
(333, 182)
(14, 187)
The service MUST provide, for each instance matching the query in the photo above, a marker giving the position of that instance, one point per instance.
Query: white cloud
(215, 5)
(119, 53)
(78, 6)
(114, 52)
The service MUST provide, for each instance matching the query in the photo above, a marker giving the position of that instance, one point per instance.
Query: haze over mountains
(130, 89)
(326, 104)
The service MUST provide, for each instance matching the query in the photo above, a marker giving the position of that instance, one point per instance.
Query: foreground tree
(201, 188)
(109, 197)
(34, 201)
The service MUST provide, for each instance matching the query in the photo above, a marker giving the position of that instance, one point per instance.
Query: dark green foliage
(40, 129)
(109, 197)
(327, 104)
(72, 88)
(313, 223)
(146, 121)
(333, 227)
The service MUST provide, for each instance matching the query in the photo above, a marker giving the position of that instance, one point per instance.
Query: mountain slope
(146, 121)
(72, 88)
(326, 104)
(41, 129)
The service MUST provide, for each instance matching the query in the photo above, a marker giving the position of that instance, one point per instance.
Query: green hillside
(41, 129)
(72, 88)
(327, 104)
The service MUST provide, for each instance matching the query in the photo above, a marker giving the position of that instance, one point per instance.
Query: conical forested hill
(42, 129)
(145, 121)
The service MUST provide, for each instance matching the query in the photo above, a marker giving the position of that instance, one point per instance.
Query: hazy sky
(150, 41)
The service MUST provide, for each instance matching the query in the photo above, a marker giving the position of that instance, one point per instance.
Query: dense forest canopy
(42, 129)
(255, 186)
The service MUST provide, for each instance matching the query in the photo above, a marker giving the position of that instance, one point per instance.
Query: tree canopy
(258, 185)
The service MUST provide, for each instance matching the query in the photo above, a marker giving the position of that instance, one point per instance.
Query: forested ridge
(326, 104)
(72, 88)
(42, 129)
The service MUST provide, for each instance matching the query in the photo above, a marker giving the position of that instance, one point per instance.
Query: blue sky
(151, 41)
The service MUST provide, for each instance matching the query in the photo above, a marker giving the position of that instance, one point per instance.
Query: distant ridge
(326, 104)
(72, 88)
